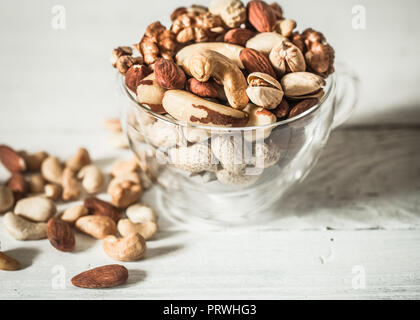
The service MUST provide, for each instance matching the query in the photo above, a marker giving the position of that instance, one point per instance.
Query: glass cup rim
(328, 89)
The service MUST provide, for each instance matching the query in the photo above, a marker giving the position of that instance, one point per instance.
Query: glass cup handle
(347, 94)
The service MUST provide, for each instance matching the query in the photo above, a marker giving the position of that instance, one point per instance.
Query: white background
(62, 79)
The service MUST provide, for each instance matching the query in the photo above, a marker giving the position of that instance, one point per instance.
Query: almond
(261, 16)
(169, 75)
(11, 159)
(18, 185)
(302, 106)
(101, 277)
(135, 74)
(256, 62)
(239, 36)
(61, 235)
(99, 207)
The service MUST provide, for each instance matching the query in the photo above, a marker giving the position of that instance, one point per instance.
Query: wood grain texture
(231, 265)
(367, 178)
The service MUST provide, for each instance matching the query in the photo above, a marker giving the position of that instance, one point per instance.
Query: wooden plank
(235, 265)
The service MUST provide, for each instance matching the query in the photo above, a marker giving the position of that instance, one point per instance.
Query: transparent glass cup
(218, 177)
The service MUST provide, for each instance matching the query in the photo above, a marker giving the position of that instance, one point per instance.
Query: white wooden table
(351, 230)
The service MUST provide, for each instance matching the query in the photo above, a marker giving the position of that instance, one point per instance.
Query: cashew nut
(139, 213)
(79, 160)
(129, 248)
(93, 179)
(96, 226)
(6, 198)
(123, 167)
(71, 188)
(72, 214)
(132, 176)
(35, 208)
(206, 64)
(22, 229)
(125, 193)
(230, 51)
(146, 229)
(52, 170)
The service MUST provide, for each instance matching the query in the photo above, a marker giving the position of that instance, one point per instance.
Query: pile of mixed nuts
(39, 181)
(228, 65)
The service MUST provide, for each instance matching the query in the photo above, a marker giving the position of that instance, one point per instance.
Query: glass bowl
(218, 177)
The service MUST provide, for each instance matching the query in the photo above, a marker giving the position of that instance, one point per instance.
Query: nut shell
(299, 84)
(287, 57)
(268, 92)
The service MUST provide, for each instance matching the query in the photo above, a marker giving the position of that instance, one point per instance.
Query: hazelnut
(135, 74)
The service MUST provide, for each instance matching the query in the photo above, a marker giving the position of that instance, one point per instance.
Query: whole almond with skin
(99, 207)
(101, 277)
(11, 159)
(60, 235)
(239, 36)
(261, 16)
(18, 185)
(302, 106)
(256, 62)
(169, 75)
